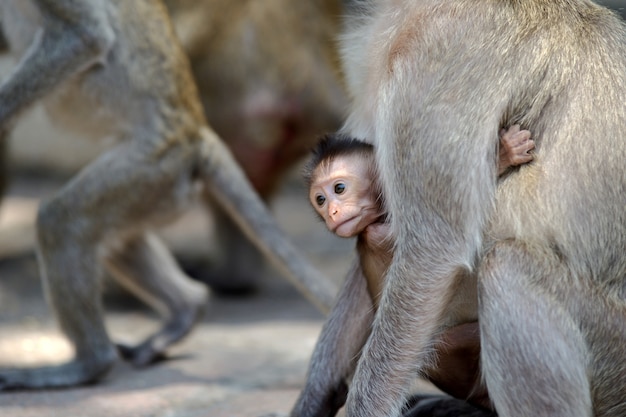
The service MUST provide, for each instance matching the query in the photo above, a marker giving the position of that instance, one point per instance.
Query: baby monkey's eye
(320, 200)
(340, 188)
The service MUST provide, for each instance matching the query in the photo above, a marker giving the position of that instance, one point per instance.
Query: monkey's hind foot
(153, 349)
(141, 355)
(70, 374)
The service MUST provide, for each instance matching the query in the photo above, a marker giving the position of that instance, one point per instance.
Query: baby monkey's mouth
(354, 225)
(338, 225)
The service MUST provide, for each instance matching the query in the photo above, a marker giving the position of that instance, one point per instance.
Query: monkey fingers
(514, 149)
(521, 142)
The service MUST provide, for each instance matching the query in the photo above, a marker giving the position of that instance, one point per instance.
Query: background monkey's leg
(145, 267)
(95, 207)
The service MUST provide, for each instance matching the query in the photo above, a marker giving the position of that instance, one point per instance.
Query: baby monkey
(344, 190)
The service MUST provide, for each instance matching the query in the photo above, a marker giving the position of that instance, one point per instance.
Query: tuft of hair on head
(329, 147)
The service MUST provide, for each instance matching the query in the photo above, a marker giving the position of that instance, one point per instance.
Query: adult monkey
(545, 246)
(344, 191)
(116, 67)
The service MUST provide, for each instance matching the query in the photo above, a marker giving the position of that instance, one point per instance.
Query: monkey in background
(344, 191)
(116, 68)
(268, 106)
(431, 82)
(4, 164)
(4, 148)
(270, 83)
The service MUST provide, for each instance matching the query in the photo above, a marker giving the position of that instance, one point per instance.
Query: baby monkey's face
(344, 195)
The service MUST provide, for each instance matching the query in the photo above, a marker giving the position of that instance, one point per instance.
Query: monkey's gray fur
(432, 82)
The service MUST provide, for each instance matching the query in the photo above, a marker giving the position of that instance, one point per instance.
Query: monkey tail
(226, 181)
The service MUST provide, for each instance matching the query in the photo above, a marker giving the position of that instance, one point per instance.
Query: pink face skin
(344, 195)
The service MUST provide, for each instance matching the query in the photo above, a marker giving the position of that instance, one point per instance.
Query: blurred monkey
(116, 68)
